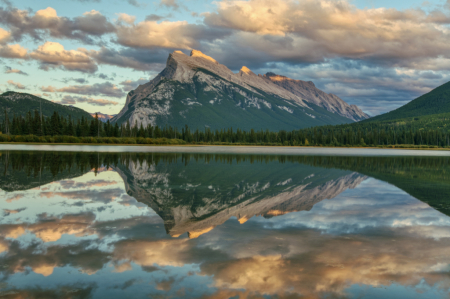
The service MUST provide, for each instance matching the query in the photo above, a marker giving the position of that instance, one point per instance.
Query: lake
(223, 222)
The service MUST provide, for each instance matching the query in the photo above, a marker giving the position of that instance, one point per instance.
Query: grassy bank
(32, 139)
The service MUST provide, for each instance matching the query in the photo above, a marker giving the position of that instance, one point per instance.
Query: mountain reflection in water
(96, 225)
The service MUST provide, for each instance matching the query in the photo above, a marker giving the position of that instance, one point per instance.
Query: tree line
(356, 134)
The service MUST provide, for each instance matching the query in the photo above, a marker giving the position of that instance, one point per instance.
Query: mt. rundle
(199, 92)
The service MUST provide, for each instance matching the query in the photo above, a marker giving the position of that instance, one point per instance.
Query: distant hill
(20, 103)
(103, 117)
(436, 101)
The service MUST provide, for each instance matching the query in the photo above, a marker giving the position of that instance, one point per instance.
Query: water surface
(184, 225)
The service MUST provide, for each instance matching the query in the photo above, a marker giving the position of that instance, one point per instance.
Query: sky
(377, 54)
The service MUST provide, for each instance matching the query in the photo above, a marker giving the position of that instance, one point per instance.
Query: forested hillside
(20, 104)
(436, 101)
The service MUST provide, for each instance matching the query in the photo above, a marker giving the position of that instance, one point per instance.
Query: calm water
(183, 225)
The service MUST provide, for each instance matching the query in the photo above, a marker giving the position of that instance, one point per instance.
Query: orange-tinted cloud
(53, 54)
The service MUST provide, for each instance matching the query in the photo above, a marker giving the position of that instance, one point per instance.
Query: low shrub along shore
(84, 140)
(166, 141)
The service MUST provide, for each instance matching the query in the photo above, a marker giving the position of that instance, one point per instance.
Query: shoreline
(227, 149)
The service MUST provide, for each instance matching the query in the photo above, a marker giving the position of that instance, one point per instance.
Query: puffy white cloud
(311, 30)
(13, 51)
(4, 35)
(46, 22)
(123, 17)
(166, 34)
(52, 54)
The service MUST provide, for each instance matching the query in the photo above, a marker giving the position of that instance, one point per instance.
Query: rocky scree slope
(198, 91)
(310, 93)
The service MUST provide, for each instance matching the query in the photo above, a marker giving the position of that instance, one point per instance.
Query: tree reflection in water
(78, 225)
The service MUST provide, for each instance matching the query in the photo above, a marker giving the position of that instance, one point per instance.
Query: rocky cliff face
(198, 91)
(310, 93)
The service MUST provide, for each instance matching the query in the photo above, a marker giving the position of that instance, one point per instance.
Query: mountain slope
(309, 92)
(436, 101)
(195, 198)
(20, 103)
(198, 91)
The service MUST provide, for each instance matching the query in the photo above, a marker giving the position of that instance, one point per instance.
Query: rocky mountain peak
(209, 85)
(275, 77)
(196, 53)
(309, 92)
(245, 70)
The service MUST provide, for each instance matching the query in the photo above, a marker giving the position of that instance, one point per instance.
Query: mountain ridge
(198, 91)
(102, 117)
(14, 103)
(437, 101)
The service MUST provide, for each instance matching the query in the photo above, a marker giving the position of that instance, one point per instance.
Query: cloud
(48, 89)
(135, 3)
(130, 84)
(107, 89)
(7, 212)
(46, 22)
(311, 31)
(97, 102)
(154, 18)
(4, 36)
(53, 55)
(70, 184)
(9, 70)
(173, 35)
(127, 58)
(16, 84)
(13, 51)
(103, 76)
(173, 4)
(69, 100)
(123, 17)
(77, 80)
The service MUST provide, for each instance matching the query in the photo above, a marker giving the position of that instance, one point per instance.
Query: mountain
(103, 117)
(197, 197)
(17, 103)
(310, 93)
(198, 91)
(436, 101)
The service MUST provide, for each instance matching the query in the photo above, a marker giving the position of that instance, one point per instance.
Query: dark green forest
(423, 131)
(425, 178)
(16, 103)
